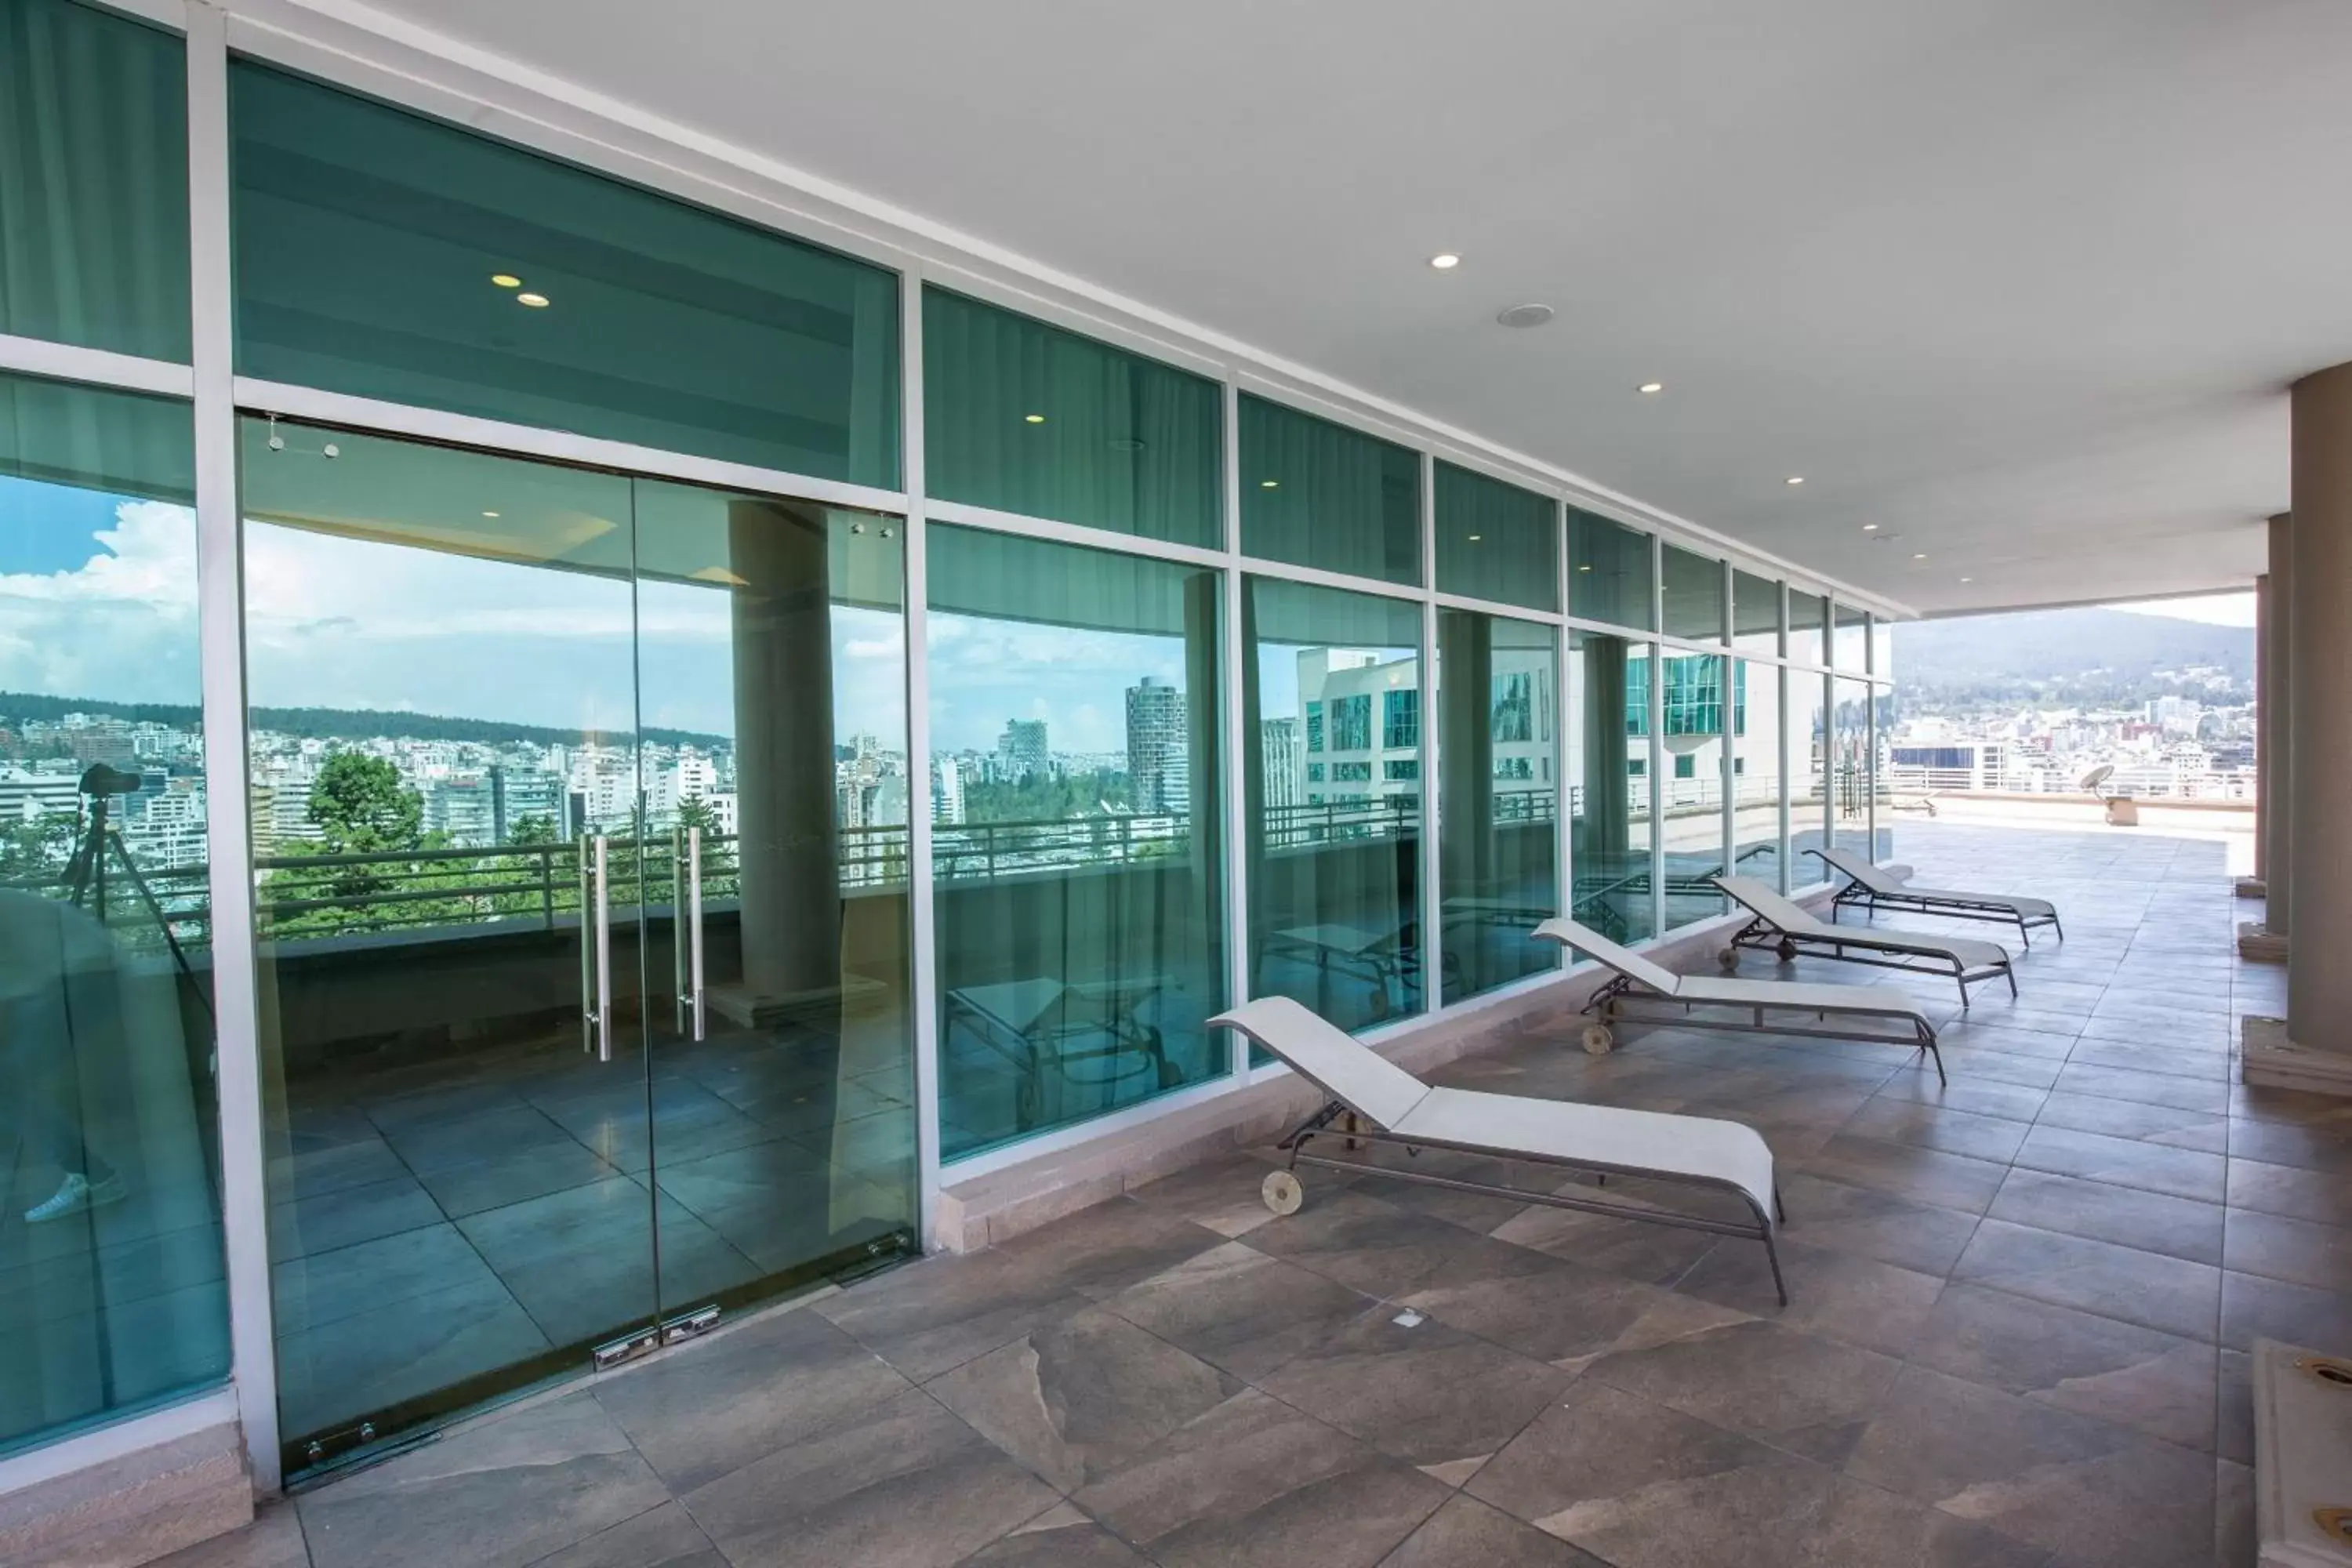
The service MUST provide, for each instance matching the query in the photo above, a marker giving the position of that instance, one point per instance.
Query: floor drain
(2333, 1521)
(2326, 1369)
(1409, 1318)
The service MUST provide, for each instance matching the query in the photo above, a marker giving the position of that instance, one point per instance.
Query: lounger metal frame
(1320, 1125)
(1857, 895)
(1764, 936)
(1608, 1005)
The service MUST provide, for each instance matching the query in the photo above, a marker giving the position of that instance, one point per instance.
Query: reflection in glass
(1692, 595)
(1025, 417)
(1497, 830)
(387, 255)
(1704, 705)
(1756, 780)
(1808, 629)
(1850, 644)
(110, 1261)
(1322, 495)
(507, 719)
(1882, 777)
(1608, 573)
(1807, 722)
(1077, 861)
(1755, 615)
(1332, 693)
(1608, 785)
(1850, 765)
(94, 180)
(1496, 540)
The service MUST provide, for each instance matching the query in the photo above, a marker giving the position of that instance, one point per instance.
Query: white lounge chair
(1379, 1102)
(1638, 980)
(1779, 925)
(1870, 888)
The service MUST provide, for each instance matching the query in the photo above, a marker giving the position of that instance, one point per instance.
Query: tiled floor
(2021, 1308)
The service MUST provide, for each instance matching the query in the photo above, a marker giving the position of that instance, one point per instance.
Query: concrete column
(2265, 775)
(2277, 737)
(2319, 683)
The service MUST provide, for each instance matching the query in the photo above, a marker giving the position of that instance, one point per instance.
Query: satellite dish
(2097, 776)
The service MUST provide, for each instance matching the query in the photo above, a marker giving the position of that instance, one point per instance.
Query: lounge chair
(1869, 889)
(1782, 926)
(1638, 980)
(1379, 1102)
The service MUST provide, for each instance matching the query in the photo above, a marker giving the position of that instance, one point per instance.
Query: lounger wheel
(1598, 1040)
(1727, 960)
(1787, 951)
(1282, 1191)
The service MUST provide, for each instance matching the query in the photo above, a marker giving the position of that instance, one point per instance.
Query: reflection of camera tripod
(86, 873)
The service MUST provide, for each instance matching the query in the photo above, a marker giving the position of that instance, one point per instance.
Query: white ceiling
(2022, 281)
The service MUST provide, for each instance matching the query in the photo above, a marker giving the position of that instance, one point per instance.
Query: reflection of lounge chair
(1386, 959)
(1789, 931)
(1051, 1033)
(1638, 980)
(1869, 889)
(1381, 1104)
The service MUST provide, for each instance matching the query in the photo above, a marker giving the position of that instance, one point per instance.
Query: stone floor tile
(2183, 1173)
(1930, 1127)
(1637, 1249)
(2287, 1190)
(664, 1537)
(2131, 1119)
(1255, 1483)
(1363, 1241)
(940, 1312)
(2234, 1415)
(2128, 1216)
(1238, 1309)
(1907, 1171)
(1466, 1531)
(906, 1484)
(1075, 1399)
(2319, 1256)
(2152, 1290)
(1759, 1379)
(1558, 1311)
(2255, 1306)
(274, 1540)
(1837, 1295)
(2233, 1515)
(1062, 1537)
(1844, 1218)
(2013, 1101)
(2209, 1095)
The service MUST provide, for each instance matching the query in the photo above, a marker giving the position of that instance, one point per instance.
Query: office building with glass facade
(577, 749)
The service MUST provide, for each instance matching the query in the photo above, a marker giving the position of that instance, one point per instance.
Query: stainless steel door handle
(686, 939)
(596, 945)
(694, 920)
(587, 952)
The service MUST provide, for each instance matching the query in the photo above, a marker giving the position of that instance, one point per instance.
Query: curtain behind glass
(1609, 857)
(1497, 839)
(1496, 540)
(1609, 572)
(1318, 494)
(94, 180)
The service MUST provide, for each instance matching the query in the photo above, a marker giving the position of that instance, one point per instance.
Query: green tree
(362, 807)
(532, 829)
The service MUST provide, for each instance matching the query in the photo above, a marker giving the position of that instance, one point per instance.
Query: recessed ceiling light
(1870, 528)
(1652, 388)
(1585, 567)
(536, 302)
(1445, 261)
(490, 514)
(1268, 484)
(1476, 537)
(1921, 555)
(506, 279)
(1034, 418)
(1968, 579)
(1796, 479)
(1526, 315)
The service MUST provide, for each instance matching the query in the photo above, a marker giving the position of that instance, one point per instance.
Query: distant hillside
(2086, 656)
(332, 723)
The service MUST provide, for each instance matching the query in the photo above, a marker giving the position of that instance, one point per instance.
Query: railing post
(547, 884)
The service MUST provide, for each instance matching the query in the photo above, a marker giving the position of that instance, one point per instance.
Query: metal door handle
(686, 856)
(596, 947)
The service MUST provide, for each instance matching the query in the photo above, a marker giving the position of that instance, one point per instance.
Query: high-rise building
(947, 792)
(1022, 747)
(1281, 765)
(1158, 750)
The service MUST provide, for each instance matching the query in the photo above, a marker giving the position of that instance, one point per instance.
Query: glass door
(777, 791)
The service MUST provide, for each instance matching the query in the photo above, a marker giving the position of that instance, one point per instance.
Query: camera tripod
(86, 873)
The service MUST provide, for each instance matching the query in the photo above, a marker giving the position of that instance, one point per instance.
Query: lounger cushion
(1342, 1067)
(1607, 1135)
(1629, 964)
(1807, 996)
(1787, 917)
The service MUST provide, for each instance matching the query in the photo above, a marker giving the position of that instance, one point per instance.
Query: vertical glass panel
(111, 1272)
(1608, 785)
(459, 1178)
(1498, 711)
(1756, 792)
(1755, 615)
(1318, 494)
(1850, 641)
(1882, 648)
(1693, 598)
(1025, 417)
(1850, 765)
(1806, 729)
(1078, 862)
(1808, 627)
(1608, 573)
(774, 769)
(1496, 540)
(390, 256)
(1883, 804)
(1704, 703)
(1332, 685)
(94, 180)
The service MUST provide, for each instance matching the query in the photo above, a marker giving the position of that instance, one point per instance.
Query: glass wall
(1850, 764)
(1076, 843)
(1332, 691)
(1704, 705)
(1692, 595)
(1608, 576)
(393, 257)
(94, 180)
(1496, 540)
(111, 1292)
(1755, 615)
(1756, 777)
(1498, 742)
(1849, 639)
(1808, 627)
(1021, 416)
(1319, 494)
(1609, 786)
(584, 990)
(1808, 764)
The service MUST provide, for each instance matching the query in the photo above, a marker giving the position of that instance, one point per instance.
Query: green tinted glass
(1319, 494)
(1694, 596)
(1498, 710)
(94, 180)
(1025, 417)
(1496, 540)
(1609, 572)
(1608, 785)
(390, 256)
(1807, 633)
(1755, 614)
